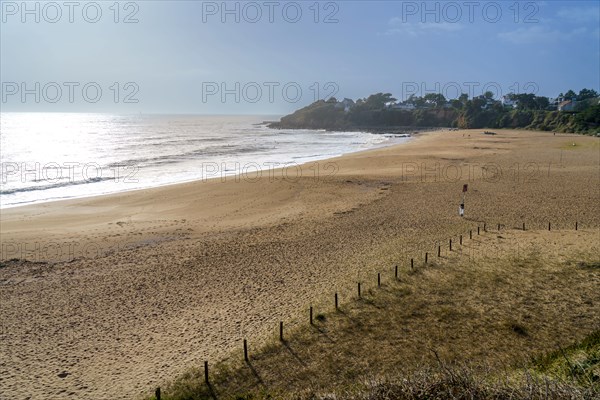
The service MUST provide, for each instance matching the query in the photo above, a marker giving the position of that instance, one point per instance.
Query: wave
(53, 186)
(224, 150)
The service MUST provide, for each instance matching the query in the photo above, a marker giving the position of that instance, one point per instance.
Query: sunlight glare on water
(49, 156)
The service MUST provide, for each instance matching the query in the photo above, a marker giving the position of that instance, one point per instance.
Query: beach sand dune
(108, 297)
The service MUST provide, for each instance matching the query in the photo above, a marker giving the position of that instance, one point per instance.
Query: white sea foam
(50, 156)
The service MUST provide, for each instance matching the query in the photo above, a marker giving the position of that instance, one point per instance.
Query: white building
(403, 106)
(346, 104)
(567, 105)
(508, 102)
(489, 103)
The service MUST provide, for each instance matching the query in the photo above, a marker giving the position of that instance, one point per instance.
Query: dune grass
(501, 325)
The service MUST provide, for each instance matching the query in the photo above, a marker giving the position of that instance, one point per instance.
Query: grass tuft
(321, 317)
(589, 265)
(519, 329)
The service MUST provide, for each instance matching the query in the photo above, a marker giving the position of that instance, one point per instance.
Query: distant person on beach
(461, 209)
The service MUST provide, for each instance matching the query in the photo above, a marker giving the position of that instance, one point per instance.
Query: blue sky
(195, 57)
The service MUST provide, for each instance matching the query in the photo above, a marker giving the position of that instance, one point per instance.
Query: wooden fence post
(450, 244)
(359, 290)
(246, 351)
(206, 372)
(311, 315)
(396, 272)
(157, 393)
(281, 330)
(378, 279)
(336, 301)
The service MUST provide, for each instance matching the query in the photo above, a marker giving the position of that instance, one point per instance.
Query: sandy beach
(108, 297)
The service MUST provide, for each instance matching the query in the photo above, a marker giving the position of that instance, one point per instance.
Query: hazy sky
(270, 57)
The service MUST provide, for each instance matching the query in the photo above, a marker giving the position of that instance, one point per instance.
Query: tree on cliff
(570, 94)
(436, 99)
(378, 101)
(585, 94)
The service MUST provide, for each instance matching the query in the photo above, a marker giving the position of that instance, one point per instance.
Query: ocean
(52, 156)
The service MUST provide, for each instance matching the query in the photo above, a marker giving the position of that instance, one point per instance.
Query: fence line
(472, 255)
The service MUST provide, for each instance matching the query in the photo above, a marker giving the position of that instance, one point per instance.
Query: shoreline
(204, 180)
(375, 129)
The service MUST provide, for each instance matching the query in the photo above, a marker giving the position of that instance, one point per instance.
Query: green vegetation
(579, 362)
(380, 111)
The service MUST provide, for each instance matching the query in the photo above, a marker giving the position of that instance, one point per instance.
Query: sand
(123, 292)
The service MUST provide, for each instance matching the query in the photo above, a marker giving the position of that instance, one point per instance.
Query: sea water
(52, 156)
